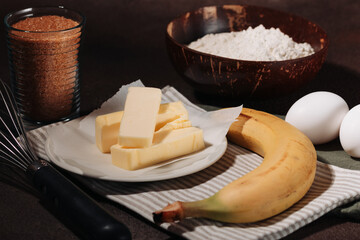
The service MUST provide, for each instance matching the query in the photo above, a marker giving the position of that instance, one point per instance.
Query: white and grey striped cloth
(333, 186)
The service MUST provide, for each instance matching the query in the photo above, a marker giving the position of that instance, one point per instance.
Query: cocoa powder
(44, 54)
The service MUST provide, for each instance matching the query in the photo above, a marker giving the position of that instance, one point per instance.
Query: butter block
(169, 112)
(107, 130)
(170, 116)
(137, 126)
(176, 124)
(166, 145)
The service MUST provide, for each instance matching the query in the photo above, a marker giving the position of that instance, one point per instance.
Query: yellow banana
(282, 179)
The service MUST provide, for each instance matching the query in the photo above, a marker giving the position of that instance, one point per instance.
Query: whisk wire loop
(14, 146)
(11, 161)
(14, 140)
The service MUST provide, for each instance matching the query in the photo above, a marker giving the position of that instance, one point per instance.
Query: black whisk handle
(87, 217)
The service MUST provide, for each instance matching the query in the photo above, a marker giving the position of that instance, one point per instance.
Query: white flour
(254, 44)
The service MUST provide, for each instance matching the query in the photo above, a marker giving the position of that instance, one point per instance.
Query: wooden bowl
(237, 78)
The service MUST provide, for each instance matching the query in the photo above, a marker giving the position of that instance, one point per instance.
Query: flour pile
(253, 44)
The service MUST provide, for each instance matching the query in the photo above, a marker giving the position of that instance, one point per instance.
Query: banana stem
(171, 213)
(179, 210)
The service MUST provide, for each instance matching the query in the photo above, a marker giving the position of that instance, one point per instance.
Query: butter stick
(166, 145)
(137, 126)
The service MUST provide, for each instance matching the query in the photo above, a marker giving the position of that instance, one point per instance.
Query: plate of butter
(149, 139)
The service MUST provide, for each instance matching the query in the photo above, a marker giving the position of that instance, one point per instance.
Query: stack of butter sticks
(147, 132)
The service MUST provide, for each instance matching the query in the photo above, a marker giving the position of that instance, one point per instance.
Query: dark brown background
(124, 41)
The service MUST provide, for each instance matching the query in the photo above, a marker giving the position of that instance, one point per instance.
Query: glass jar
(43, 47)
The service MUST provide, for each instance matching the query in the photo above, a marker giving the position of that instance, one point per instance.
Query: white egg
(318, 115)
(350, 132)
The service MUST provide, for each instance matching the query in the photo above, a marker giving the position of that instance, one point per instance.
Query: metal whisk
(84, 214)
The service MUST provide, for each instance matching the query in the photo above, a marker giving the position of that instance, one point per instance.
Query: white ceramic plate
(106, 171)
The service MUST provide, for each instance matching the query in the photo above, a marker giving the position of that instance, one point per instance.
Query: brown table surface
(124, 41)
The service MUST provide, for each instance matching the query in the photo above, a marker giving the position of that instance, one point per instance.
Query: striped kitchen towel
(333, 186)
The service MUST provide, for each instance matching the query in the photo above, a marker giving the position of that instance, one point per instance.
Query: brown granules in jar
(45, 64)
(47, 23)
